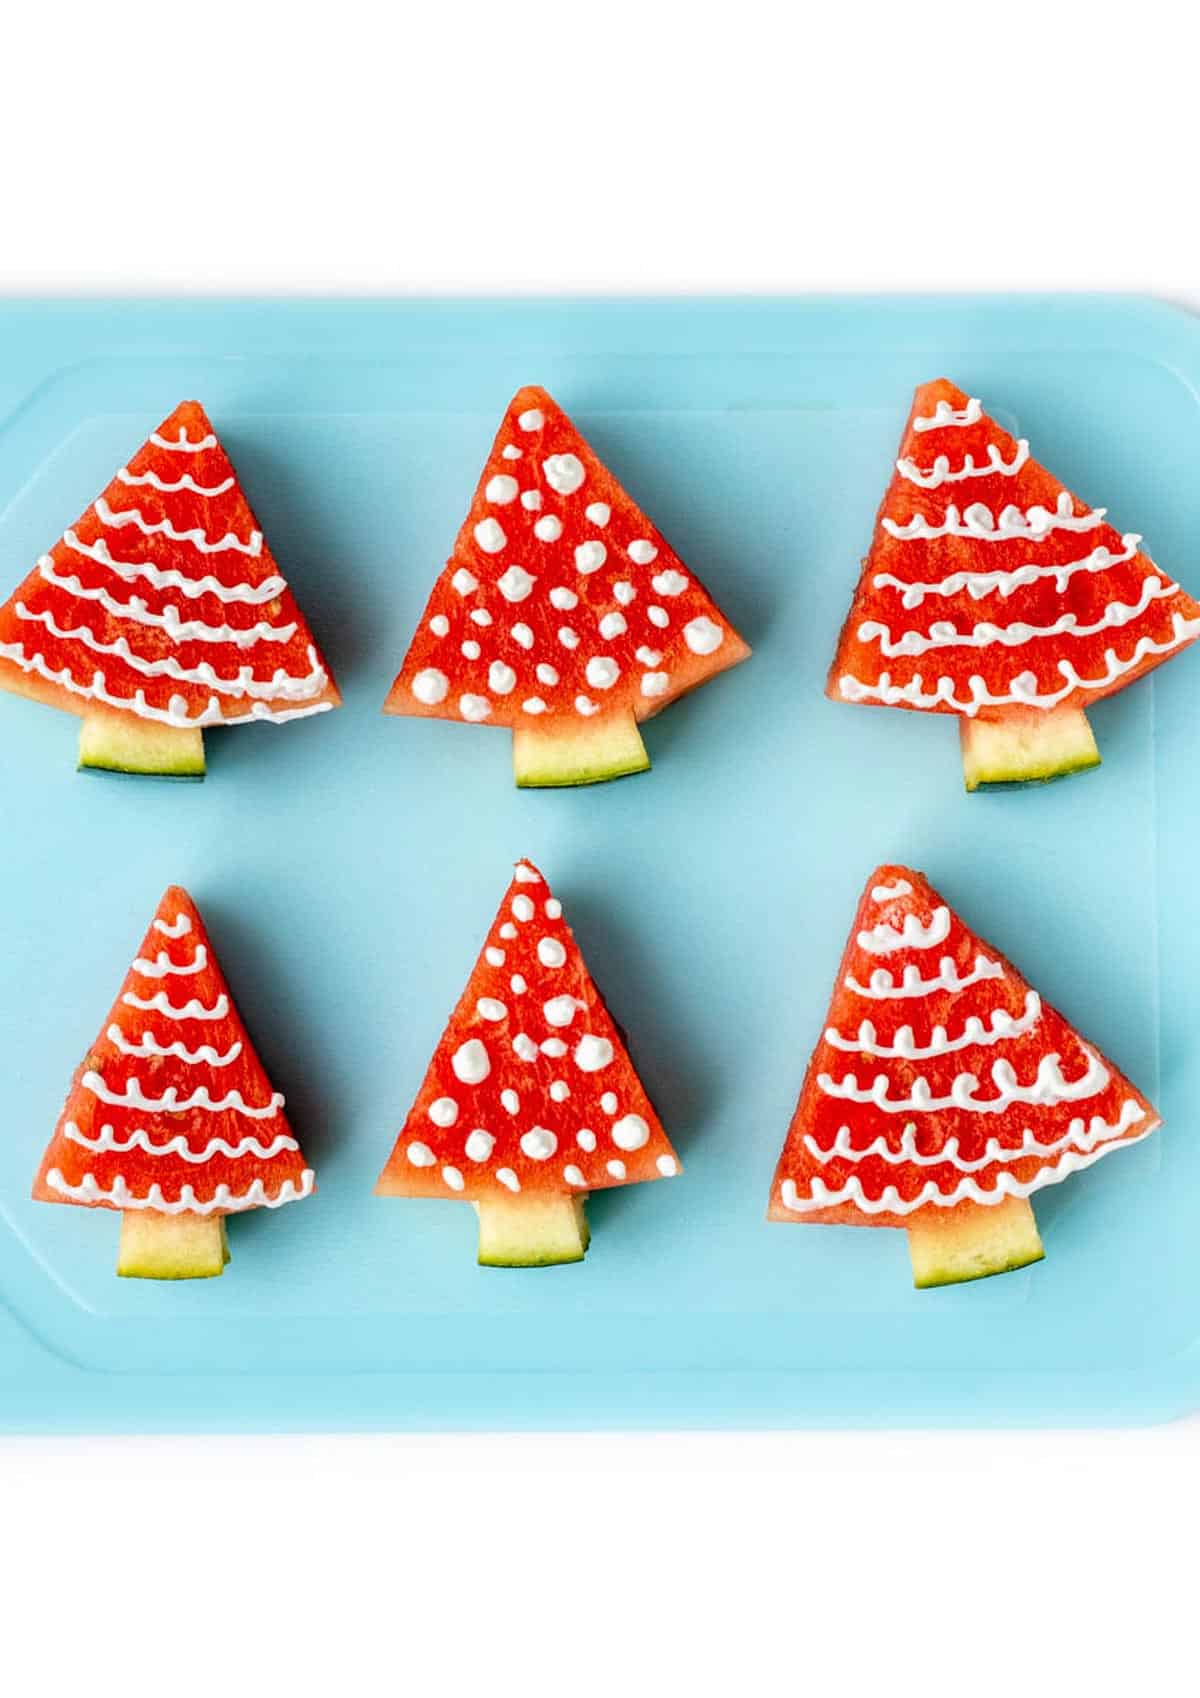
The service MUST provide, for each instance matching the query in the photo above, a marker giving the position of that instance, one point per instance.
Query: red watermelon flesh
(171, 1108)
(562, 604)
(531, 1092)
(941, 1077)
(1063, 611)
(164, 600)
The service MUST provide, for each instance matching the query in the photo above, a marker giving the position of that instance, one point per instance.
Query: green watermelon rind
(583, 755)
(1019, 750)
(123, 743)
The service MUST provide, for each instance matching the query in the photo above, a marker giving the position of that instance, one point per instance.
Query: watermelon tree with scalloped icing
(531, 1100)
(563, 613)
(171, 1117)
(943, 1093)
(992, 593)
(162, 611)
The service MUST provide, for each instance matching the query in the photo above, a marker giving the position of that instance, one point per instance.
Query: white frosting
(191, 1010)
(553, 1047)
(508, 931)
(667, 1166)
(1047, 1088)
(501, 678)
(494, 957)
(180, 926)
(531, 500)
(944, 416)
(598, 513)
(559, 1011)
(178, 629)
(559, 1091)
(203, 1055)
(430, 686)
(572, 1175)
(1000, 1026)
(522, 908)
(525, 874)
(501, 489)
(136, 480)
(508, 1178)
(480, 1145)
(533, 704)
(511, 452)
(590, 556)
(439, 625)
(592, 1054)
(474, 708)
(551, 952)
(515, 584)
(887, 892)
(532, 419)
(443, 1111)
(141, 1139)
(608, 1102)
(453, 1177)
(884, 939)
(567, 637)
(940, 473)
(978, 521)
(586, 1138)
(480, 616)
(648, 656)
(1023, 687)
(552, 908)
(563, 599)
(630, 1132)
(490, 1008)
(655, 683)
(1080, 1134)
(884, 988)
(470, 650)
(522, 634)
(132, 1096)
(624, 591)
(222, 1201)
(641, 551)
(196, 539)
(612, 625)
(471, 1062)
(182, 444)
(702, 636)
(489, 534)
(669, 583)
(944, 635)
(602, 672)
(524, 1047)
(420, 1155)
(510, 1101)
(546, 674)
(616, 1168)
(162, 966)
(660, 617)
(539, 1143)
(168, 578)
(548, 529)
(564, 473)
(466, 583)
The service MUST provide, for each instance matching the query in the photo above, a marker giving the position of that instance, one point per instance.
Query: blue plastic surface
(349, 865)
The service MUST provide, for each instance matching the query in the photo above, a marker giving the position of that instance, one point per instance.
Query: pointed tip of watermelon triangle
(525, 872)
(176, 899)
(188, 422)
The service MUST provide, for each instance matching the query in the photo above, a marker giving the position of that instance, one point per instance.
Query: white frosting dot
(616, 1168)
(517, 983)
(508, 931)
(510, 1101)
(667, 1166)
(592, 1053)
(501, 489)
(539, 1143)
(655, 683)
(508, 1178)
(515, 584)
(525, 874)
(602, 672)
(531, 419)
(624, 591)
(501, 678)
(702, 636)
(559, 1011)
(572, 1175)
(551, 952)
(590, 556)
(470, 649)
(553, 908)
(474, 707)
(439, 624)
(630, 1133)
(453, 1178)
(480, 1145)
(489, 534)
(480, 616)
(522, 908)
(470, 1062)
(495, 957)
(420, 1155)
(612, 625)
(548, 529)
(669, 583)
(522, 634)
(598, 513)
(533, 704)
(658, 616)
(567, 637)
(531, 500)
(466, 583)
(511, 452)
(563, 598)
(490, 1008)
(430, 686)
(443, 1111)
(554, 1048)
(559, 1091)
(546, 674)
(641, 552)
(608, 1102)
(524, 1047)
(564, 473)
(649, 657)
(585, 1138)
(586, 706)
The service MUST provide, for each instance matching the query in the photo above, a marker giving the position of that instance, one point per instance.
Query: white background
(599, 146)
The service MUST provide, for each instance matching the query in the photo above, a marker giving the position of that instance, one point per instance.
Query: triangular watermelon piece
(993, 593)
(171, 1117)
(162, 611)
(944, 1093)
(563, 612)
(531, 1100)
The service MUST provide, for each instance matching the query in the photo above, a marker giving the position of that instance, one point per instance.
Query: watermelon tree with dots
(944, 1093)
(171, 1118)
(992, 593)
(162, 612)
(531, 1100)
(562, 613)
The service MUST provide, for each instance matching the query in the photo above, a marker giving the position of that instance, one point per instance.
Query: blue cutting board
(348, 867)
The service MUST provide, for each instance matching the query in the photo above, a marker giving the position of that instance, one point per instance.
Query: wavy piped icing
(163, 600)
(977, 1090)
(172, 1109)
(1064, 609)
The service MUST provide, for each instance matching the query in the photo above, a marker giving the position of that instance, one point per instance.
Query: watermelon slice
(531, 1100)
(162, 611)
(562, 613)
(171, 1117)
(993, 593)
(944, 1093)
